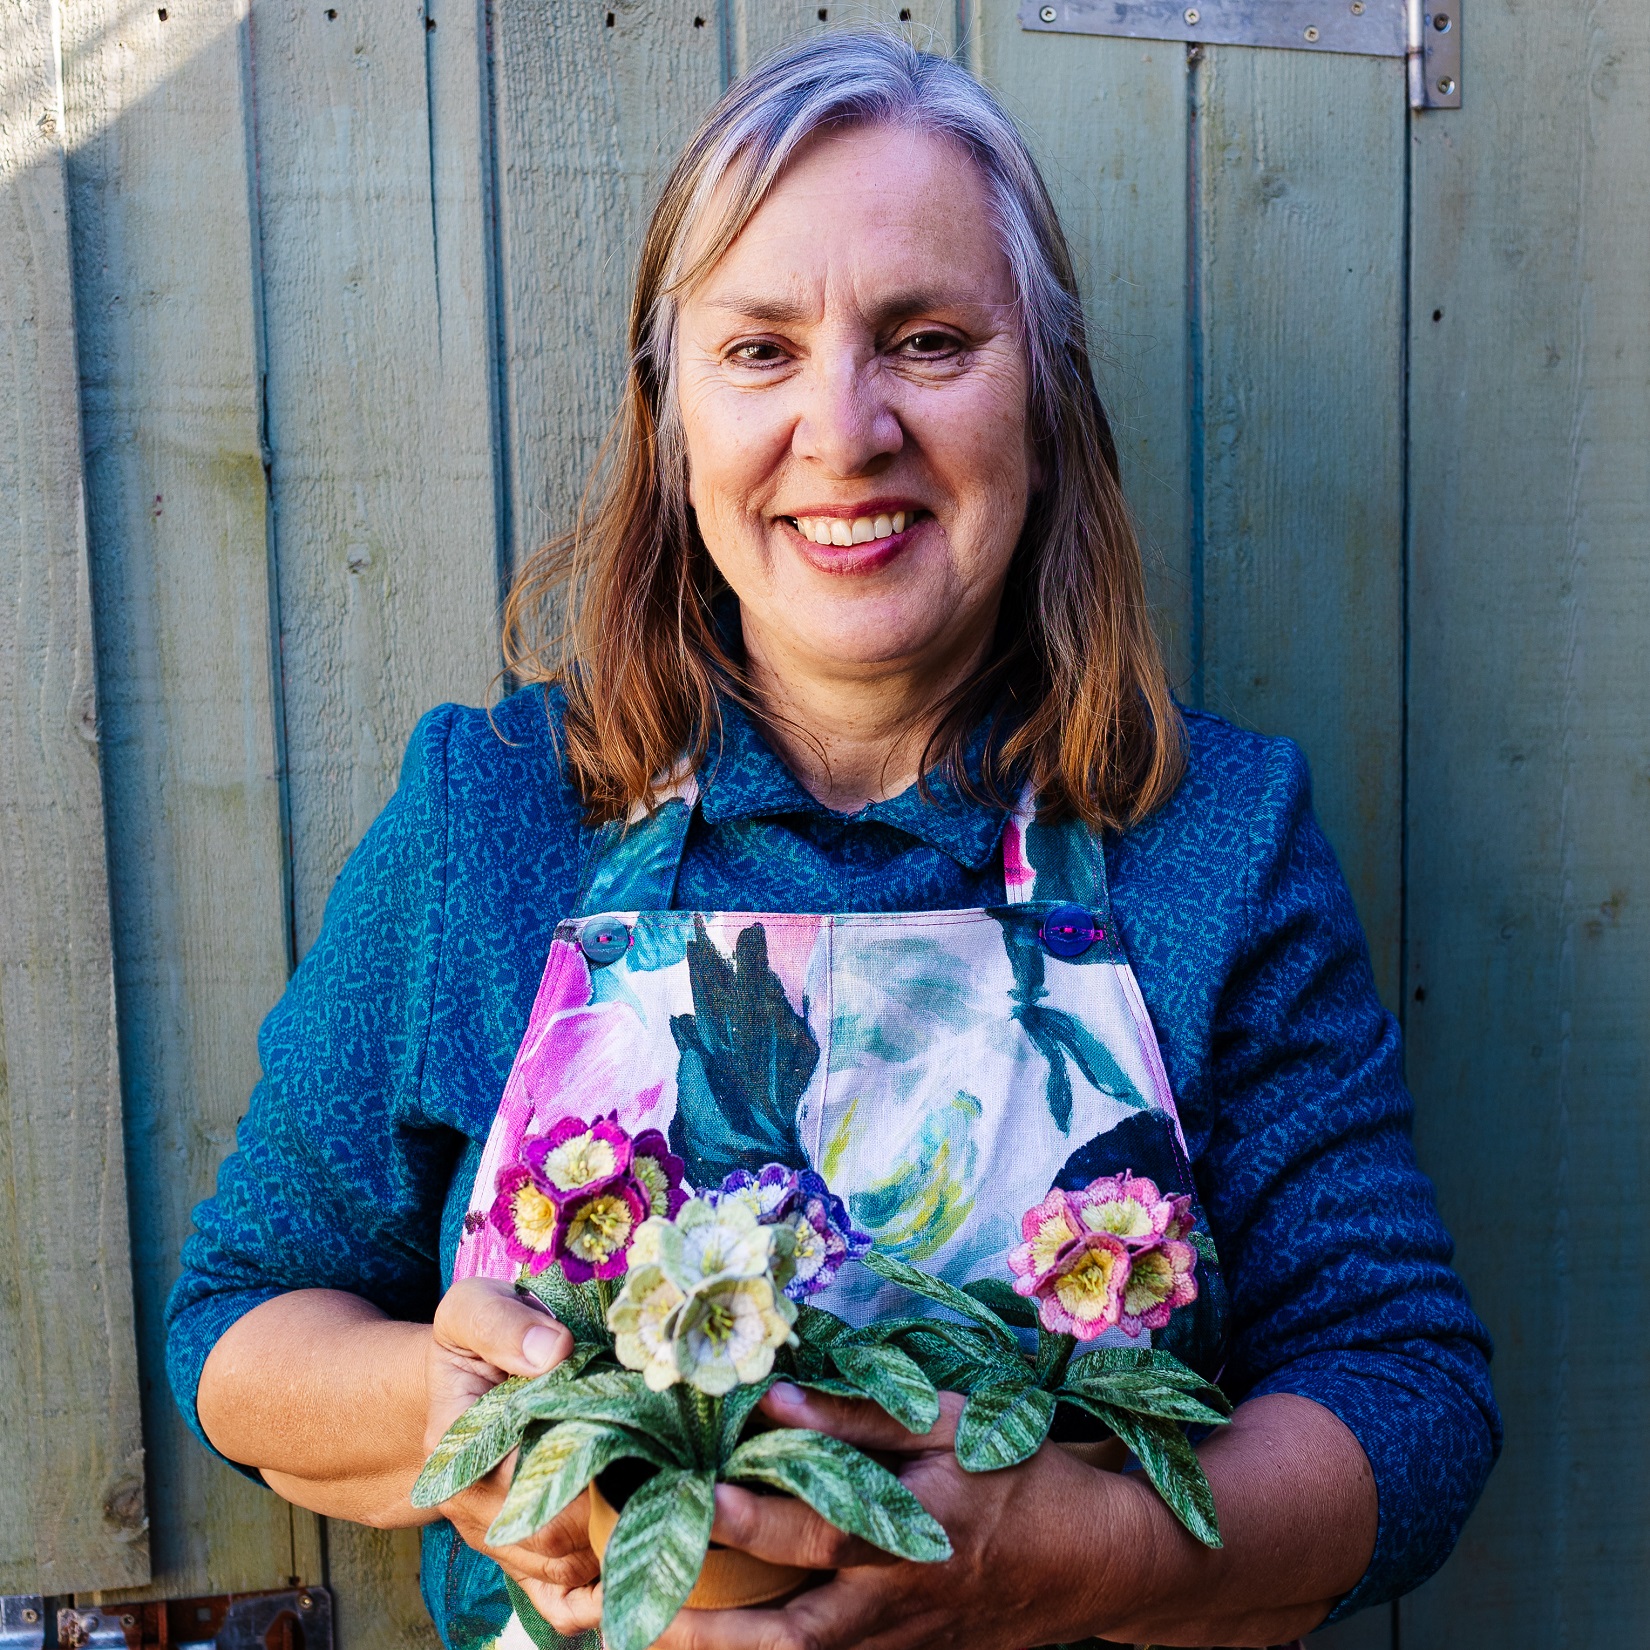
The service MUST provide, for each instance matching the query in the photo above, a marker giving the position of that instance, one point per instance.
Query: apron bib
(941, 1069)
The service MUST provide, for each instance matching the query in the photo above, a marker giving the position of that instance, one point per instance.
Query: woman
(860, 587)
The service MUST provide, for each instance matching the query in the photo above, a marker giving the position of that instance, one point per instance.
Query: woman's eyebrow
(896, 306)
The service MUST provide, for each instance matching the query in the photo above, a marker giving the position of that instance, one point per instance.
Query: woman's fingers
(784, 1530)
(858, 1421)
(486, 1319)
(570, 1610)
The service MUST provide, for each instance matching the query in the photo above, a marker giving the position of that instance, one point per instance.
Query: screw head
(31, 1615)
(1048, 14)
(1357, 8)
(1193, 16)
(306, 1601)
(1446, 86)
(1311, 36)
(128, 1621)
(1442, 22)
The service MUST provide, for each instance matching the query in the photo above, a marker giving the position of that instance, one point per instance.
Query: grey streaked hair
(1075, 693)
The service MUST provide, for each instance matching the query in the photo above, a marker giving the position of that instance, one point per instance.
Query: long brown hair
(1075, 686)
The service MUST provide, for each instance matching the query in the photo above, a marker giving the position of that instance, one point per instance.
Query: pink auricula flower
(576, 1158)
(1160, 1279)
(1126, 1205)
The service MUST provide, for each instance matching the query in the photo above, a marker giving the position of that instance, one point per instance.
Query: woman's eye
(930, 346)
(758, 352)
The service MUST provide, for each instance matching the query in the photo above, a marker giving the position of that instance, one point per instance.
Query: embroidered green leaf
(1000, 1298)
(1149, 1396)
(556, 1464)
(655, 1555)
(1002, 1425)
(845, 1488)
(941, 1293)
(738, 1407)
(746, 1056)
(890, 1378)
(474, 1444)
(619, 1397)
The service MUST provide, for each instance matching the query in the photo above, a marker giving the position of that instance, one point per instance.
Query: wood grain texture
(1529, 765)
(1107, 121)
(371, 184)
(589, 120)
(1298, 421)
(758, 27)
(177, 515)
(71, 1484)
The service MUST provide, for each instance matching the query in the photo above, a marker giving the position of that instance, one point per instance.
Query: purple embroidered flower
(822, 1239)
(813, 1235)
(659, 1173)
(597, 1229)
(576, 1158)
(770, 1194)
(528, 1221)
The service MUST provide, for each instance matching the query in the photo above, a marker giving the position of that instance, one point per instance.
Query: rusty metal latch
(1425, 32)
(297, 1620)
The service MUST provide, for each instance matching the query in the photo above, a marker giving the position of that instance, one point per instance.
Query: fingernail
(783, 1392)
(538, 1347)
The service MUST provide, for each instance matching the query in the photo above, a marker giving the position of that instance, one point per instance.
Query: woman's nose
(846, 423)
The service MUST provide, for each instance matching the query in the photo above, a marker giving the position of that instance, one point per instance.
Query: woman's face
(853, 391)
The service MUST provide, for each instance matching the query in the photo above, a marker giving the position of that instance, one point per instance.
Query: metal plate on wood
(22, 1621)
(297, 1620)
(1428, 34)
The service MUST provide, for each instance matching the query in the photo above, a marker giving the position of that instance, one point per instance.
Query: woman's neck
(854, 736)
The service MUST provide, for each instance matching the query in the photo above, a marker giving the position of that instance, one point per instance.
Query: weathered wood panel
(1529, 776)
(758, 27)
(590, 114)
(371, 179)
(177, 515)
(1297, 465)
(71, 1484)
(1108, 122)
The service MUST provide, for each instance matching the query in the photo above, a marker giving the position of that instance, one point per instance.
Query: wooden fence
(310, 322)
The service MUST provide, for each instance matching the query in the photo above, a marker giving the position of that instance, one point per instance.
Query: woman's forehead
(901, 215)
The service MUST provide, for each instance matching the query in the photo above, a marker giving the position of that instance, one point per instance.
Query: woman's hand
(483, 1331)
(1055, 1550)
(1017, 1576)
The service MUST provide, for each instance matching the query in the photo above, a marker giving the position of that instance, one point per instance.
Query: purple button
(1069, 931)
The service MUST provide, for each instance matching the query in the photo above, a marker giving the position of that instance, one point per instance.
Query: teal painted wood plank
(1529, 774)
(374, 250)
(1299, 267)
(164, 270)
(1107, 121)
(589, 120)
(758, 27)
(71, 1483)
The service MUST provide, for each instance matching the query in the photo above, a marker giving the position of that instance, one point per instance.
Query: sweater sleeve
(1338, 1263)
(336, 1181)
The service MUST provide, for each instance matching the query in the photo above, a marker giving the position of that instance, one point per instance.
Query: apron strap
(1059, 864)
(633, 862)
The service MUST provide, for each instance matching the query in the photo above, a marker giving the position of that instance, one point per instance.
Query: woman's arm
(1054, 1550)
(337, 1406)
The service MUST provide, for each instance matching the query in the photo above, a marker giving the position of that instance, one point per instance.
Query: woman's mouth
(844, 532)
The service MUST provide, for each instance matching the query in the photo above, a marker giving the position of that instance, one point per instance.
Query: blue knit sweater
(383, 1063)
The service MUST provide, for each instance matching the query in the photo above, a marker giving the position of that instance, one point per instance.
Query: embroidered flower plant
(577, 1157)
(527, 1218)
(700, 1303)
(599, 1228)
(659, 1173)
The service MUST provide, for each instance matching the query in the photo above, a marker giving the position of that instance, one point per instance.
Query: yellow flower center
(535, 1218)
(1086, 1290)
(1126, 1217)
(600, 1229)
(1052, 1236)
(1151, 1280)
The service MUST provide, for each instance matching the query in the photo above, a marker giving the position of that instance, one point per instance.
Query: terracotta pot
(730, 1580)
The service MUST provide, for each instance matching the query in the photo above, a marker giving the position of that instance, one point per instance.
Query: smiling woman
(846, 827)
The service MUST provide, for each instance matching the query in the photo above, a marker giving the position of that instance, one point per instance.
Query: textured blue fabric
(384, 1061)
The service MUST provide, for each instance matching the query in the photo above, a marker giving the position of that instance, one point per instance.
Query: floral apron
(941, 1069)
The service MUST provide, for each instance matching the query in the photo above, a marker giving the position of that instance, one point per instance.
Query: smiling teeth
(861, 530)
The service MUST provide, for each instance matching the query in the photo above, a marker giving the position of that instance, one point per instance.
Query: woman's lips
(820, 539)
